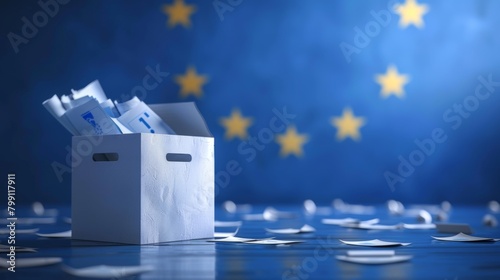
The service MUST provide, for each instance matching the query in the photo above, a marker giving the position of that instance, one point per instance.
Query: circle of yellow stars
(291, 142)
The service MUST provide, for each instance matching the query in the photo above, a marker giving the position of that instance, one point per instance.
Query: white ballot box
(146, 188)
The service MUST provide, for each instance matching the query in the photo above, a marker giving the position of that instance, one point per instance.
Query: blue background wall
(264, 55)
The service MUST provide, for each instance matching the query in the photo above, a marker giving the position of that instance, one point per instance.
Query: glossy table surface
(312, 259)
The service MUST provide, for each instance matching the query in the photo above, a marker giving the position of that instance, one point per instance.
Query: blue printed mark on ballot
(89, 117)
(146, 123)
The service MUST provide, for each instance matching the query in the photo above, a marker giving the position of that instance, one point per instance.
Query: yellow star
(178, 13)
(236, 125)
(392, 82)
(411, 13)
(191, 83)
(348, 125)
(291, 142)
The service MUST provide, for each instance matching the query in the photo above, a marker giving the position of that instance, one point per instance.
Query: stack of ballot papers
(89, 112)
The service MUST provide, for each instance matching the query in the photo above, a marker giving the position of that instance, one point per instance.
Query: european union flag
(364, 101)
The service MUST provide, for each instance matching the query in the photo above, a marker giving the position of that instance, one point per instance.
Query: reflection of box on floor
(146, 188)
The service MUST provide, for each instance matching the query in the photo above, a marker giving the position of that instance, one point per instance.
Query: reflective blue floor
(312, 259)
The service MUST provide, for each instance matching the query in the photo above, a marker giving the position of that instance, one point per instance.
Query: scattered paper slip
(273, 242)
(223, 234)
(20, 231)
(370, 222)
(258, 217)
(303, 229)
(64, 234)
(6, 249)
(349, 221)
(227, 223)
(265, 241)
(374, 243)
(106, 271)
(374, 260)
(461, 237)
(30, 262)
(30, 221)
(338, 221)
(284, 230)
(232, 239)
(419, 226)
(370, 253)
(371, 226)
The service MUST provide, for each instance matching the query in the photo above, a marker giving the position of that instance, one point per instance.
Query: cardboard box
(146, 188)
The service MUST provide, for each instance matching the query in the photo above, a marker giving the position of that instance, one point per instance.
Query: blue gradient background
(266, 55)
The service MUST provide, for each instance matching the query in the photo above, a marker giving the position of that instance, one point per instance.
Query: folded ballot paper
(89, 112)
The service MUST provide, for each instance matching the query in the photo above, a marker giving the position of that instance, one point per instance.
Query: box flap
(183, 117)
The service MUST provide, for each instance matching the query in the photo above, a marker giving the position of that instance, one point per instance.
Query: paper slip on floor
(106, 271)
(372, 226)
(30, 262)
(258, 217)
(303, 229)
(64, 234)
(344, 221)
(37, 220)
(419, 226)
(374, 243)
(20, 231)
(370, 253)
(375, 260)
(273, 242)
(6, 249)
(227, 223)
(232, 239)
(461, 237)
(265, 241)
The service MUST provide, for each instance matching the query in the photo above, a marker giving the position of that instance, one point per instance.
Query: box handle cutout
(179, 157)
(105, 157)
